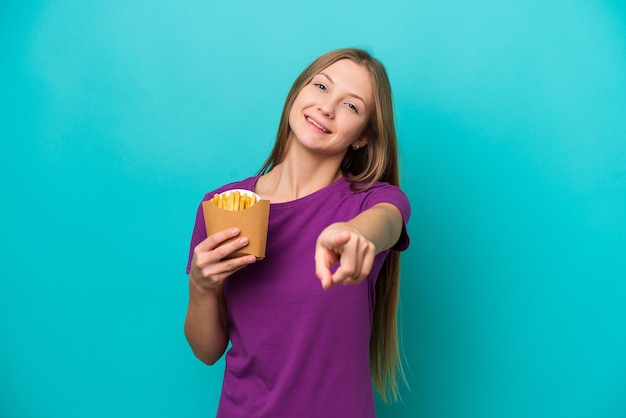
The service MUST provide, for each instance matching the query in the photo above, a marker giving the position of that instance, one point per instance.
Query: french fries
(234, 200)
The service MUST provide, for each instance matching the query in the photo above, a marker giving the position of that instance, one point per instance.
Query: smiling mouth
(317, 125)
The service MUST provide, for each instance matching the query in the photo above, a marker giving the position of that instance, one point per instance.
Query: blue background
(117, 116)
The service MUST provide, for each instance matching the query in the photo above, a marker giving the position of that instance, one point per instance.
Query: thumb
(336, 240)
(324, 259)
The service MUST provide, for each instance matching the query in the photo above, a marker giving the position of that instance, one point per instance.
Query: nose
(327, 109)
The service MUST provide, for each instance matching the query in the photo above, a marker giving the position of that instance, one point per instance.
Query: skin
(328, 116)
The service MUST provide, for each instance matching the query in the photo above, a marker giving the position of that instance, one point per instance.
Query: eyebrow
(351, 94)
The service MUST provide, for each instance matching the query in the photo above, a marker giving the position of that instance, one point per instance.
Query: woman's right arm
(205, 324)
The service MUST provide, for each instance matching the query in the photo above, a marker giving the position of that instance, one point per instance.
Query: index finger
(213, 241)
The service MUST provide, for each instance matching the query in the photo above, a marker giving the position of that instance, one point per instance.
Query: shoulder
(378, 187)
(382, 192)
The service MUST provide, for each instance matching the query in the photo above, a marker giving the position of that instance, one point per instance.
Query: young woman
(313, 325)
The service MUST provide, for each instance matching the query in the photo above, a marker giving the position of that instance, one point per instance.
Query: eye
(320, 86)
(353, 107)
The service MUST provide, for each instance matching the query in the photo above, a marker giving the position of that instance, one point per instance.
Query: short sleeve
(198, 235)
(387, 193)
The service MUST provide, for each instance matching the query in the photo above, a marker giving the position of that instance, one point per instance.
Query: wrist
(196, 288)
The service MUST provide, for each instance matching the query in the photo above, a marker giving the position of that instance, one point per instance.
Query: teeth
(317, 124)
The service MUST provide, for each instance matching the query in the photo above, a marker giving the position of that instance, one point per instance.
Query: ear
(359, 143)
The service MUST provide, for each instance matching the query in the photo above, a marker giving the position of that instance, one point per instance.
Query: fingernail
(234, 231)
(243, 241)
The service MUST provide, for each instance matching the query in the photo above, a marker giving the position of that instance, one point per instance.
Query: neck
(298, 176)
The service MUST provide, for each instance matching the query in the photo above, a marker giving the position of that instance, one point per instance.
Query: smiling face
(332, 111)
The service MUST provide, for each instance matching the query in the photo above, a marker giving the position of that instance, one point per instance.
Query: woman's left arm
(355, 243)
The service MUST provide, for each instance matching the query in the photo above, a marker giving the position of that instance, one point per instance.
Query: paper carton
(251, 221)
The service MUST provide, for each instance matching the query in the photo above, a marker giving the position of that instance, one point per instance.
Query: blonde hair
(377, 161)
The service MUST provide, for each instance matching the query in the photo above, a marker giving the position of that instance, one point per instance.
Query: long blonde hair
(378, 161)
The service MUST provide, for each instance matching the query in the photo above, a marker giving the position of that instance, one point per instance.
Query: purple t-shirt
(298, 350)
